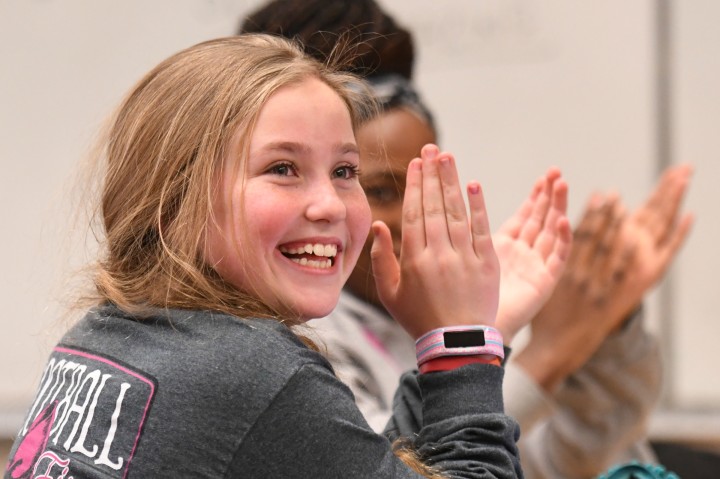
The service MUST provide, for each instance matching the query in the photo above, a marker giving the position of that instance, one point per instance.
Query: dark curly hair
(379, 45)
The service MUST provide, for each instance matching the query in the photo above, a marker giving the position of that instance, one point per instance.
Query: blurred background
(611, 92)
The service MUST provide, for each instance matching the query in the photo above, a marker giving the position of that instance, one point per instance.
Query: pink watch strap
(432, 344)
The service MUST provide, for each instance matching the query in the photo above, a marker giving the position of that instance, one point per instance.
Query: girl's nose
(324, 203)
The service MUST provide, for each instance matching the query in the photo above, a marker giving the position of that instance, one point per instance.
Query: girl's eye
(346, 172)
(283, 169)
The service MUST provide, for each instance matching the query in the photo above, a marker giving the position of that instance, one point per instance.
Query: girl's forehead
(306, 112)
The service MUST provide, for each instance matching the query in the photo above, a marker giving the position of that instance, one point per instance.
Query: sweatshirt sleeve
(312, 428)
(600, 412)
(464, 426)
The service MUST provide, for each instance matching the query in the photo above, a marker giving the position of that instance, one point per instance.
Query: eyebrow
(303, 149)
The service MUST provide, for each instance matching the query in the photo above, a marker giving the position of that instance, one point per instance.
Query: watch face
(464, 339)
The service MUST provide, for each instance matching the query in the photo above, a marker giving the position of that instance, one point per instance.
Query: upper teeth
(327, 250)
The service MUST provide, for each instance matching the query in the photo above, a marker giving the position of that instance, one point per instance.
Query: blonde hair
(164, 148)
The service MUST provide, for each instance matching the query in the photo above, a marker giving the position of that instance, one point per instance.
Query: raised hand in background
(615, 260)
(532, 246)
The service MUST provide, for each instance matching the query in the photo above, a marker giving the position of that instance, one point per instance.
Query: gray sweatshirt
(196, 394)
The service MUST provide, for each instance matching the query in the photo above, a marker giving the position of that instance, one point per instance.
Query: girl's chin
(314, 313)
(302, 301)
(306, 312)
(305, 308)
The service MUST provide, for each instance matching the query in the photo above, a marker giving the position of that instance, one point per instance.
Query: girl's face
(290, 230)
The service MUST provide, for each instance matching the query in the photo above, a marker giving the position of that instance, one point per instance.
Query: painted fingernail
(474, 188)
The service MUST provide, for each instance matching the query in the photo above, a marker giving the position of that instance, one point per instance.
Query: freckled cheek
(263, 224)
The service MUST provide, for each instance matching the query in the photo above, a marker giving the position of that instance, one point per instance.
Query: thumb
(386, 269)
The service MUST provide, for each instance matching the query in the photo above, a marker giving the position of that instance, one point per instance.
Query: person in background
(582, 407)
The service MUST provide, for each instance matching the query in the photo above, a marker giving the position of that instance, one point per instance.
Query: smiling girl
(231, 210)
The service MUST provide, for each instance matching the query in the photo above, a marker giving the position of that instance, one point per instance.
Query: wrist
(507, 332)
(543, 366)
(551, 357)
(550, 364)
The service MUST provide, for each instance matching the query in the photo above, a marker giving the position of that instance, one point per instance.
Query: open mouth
(321, 256)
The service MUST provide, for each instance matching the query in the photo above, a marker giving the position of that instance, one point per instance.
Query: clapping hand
(615, 260)
(447, 273)
(532, 247)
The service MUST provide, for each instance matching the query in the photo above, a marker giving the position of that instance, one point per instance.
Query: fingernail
(431, 151)
(474, 188)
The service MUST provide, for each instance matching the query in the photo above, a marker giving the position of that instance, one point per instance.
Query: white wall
(696, 108)
(516, 85)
